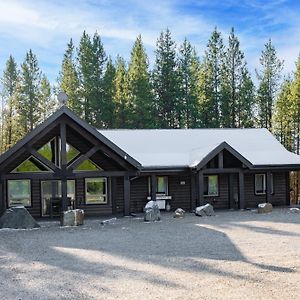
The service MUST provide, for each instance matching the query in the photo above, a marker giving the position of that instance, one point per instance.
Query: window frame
(218, 186)
(264, 184)
(96, 165)
(156, 178)
(27, 172)
(86, 180)
(7, 192)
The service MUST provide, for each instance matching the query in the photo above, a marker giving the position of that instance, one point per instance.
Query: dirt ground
(233, 255)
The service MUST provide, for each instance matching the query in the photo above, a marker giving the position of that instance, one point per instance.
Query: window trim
(264, 184)
(30, 190)
(156, 177)
(57, 180)
(78, 171)
(85, 191)
(218, 190)
(48, 171)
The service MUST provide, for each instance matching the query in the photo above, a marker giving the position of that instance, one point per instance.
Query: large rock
(151, 212)
(18, 217)
(179, 213)
(73, 217)
(205, 210)
(264, 208)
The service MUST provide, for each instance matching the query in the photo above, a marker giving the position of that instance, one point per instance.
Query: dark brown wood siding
(222, 200)
(181, 193)
(138, 194)
(119, 195)
(277, 198)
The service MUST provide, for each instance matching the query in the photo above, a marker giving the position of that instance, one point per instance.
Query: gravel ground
(233, 255)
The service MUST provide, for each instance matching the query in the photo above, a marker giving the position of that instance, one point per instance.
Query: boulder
(179, 213)
(151, 212)
(295, 210)
(264, 208)
(73, 217)
(18, 217)
(205, 210)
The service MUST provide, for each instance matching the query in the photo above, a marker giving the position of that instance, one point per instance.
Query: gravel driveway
(233, 255)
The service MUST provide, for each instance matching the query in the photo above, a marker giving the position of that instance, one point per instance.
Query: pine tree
(97, 94)
(269, 80)
(233, 72)
(188, 70)
(283, 115)
(139, 88)
(9, 83)
(295, 105)
(109, 92)
(47, 104)
(204, 95)
(91, 63)
(246, 101)
(68, 80)
(122, 114)
(211, 78)
(165, 81)
(28, 91)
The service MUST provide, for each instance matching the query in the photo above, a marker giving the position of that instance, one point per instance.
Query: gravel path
(233, 255)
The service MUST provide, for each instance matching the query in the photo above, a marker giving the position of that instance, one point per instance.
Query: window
(95, 190)
(211, 185)
(30, 165)
(162, 185)
(52, 189)
(49, 150)
(87, 165)
(260, 184)
(19, 192)
(72, 152)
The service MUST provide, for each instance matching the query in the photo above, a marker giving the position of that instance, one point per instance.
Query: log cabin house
(65, 162)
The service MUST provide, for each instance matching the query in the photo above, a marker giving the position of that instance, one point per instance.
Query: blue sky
(46, 26)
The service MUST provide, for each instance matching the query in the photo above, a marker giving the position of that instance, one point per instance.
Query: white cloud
(46, 26)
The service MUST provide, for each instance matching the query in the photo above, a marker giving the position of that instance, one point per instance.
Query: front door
(51, 196)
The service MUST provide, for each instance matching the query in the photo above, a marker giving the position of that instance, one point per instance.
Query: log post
(201, 187)
(269, 186)
(153, 187)
(126, 195)
(63, 149)
(193, 191)
(241, 190)
(2, 207)
(220, 160)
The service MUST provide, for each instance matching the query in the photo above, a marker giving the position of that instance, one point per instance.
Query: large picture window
(19, 192)
(211, 185)
(96, 190)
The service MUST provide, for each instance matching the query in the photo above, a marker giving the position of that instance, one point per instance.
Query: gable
(79, 135)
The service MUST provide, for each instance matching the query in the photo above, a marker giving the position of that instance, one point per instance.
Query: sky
(47, 26)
